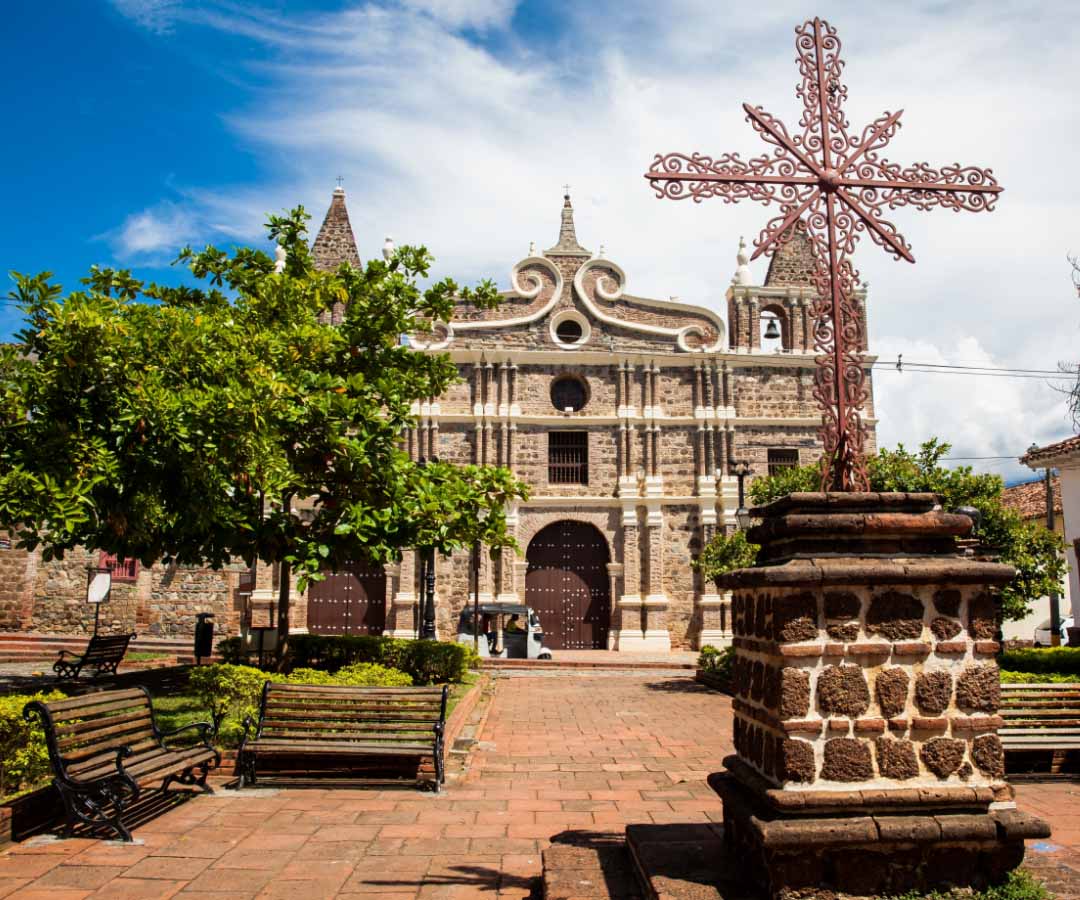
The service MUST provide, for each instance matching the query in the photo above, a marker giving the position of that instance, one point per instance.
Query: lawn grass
(146, 656)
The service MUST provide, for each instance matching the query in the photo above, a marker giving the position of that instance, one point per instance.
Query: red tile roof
(1029, 499)
(1061, 448)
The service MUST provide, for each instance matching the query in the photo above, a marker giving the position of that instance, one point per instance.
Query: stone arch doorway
(567, 584)
(351, 601)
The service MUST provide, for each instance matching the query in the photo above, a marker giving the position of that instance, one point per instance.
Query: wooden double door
(567, 585)
(352, 601)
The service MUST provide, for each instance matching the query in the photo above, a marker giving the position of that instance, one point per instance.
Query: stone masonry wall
(161, 602)
(843, 685)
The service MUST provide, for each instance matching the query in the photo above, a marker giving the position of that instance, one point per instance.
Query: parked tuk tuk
(506, 631)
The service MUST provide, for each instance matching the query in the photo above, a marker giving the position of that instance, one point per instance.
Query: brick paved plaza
(558, 753)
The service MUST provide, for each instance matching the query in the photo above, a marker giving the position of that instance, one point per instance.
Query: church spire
(568, 244)
(335, 242)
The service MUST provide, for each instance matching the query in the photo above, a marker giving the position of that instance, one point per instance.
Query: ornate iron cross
(834, 185)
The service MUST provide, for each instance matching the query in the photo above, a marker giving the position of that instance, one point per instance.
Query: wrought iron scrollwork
(834, 185)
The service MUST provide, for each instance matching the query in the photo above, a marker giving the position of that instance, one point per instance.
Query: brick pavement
(560, 757)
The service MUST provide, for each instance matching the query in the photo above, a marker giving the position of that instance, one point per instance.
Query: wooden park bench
(1041, 717)
(105, 748)
(334, 722)
(103, 654)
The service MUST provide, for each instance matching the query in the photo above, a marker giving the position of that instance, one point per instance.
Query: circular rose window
(568, 392)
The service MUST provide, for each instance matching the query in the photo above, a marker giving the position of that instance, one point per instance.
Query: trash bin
(204, 636)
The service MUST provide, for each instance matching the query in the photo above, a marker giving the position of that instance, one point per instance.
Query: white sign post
(98, 588)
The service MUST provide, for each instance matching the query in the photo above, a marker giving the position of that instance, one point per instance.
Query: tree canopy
(181, 423)
(1036, 552)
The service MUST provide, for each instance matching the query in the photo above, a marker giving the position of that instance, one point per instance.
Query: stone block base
(860, 851)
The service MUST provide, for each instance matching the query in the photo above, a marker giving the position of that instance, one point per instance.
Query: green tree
(231, 420)
(726, 553)
(1036, 552)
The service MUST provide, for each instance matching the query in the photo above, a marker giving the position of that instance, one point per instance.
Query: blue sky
(136, 126)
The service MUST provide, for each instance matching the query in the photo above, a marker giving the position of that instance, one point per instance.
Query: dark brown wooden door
(352, 601)
(567, 584)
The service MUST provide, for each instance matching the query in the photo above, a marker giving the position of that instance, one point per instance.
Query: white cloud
(446, 141)
(153, 15)
(154, 231)
(466, 13)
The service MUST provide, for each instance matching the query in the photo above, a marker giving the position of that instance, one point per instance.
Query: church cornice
(735, 359)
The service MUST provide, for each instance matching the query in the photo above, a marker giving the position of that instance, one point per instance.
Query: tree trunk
(283, 615)
(284, 589)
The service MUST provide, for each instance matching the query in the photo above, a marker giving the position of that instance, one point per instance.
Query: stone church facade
(625, 416)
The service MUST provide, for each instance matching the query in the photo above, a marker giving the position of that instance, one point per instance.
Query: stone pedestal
(715, 615)
(866, 698)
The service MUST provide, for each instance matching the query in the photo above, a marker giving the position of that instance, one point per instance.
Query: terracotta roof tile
(1029, 499)
(1061, 448)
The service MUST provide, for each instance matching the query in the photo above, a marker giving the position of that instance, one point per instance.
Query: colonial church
(627, 416)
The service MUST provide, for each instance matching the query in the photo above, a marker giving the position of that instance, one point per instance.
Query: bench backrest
(84, 732)
(370, 714)
(1040, 705)
(106, 648)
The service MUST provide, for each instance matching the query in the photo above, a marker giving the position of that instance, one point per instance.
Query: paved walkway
(559, 753)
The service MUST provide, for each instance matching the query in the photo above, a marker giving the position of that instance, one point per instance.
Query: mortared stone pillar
(866, 703)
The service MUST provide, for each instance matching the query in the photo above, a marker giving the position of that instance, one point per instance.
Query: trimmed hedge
(231, 693)
(1049, 660)
(426, 662)
(1037, 677)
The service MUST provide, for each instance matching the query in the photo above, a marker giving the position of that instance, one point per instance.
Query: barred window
(121, 569)
(568, 457)
(782, 459)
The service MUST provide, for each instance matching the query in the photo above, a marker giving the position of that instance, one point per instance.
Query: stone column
(401, 621)
(657, 637)
(513, 390)
(489, 390)
(478, 388)
(521, 568)
(866, 703)
(755, 325)
(630, 633)
(614, 571)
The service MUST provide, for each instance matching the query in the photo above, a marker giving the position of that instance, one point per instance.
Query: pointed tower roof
(792, 265)
(568, 244)
(335, 242)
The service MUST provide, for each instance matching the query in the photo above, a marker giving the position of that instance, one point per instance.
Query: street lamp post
(427, 584)
(742, 514)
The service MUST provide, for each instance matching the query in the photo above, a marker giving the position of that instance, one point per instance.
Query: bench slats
(345, 689)
(339, 747)
(86, 703)
(348, 724)
(344, 714)
(1041, 716)
(118, 734)
(342, 720)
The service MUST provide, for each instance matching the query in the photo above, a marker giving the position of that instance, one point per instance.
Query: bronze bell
(771, 331)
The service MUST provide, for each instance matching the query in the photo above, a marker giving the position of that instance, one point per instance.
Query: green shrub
(1018, 885)
(229, 649)
(228, 691)
(307, 676)
(718, 663)
(24, 758)
(1037, 677)
(1062, 660)
(426, 662)
(357, 674)
(371, 674)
